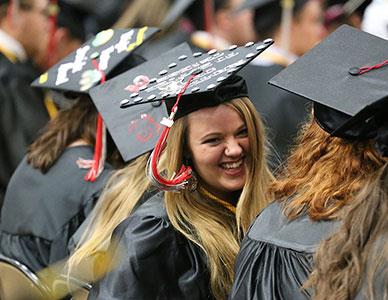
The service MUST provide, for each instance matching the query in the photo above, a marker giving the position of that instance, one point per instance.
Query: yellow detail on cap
(43, 78)
(139, 39)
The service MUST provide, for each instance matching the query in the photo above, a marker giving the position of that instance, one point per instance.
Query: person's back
(42, 210)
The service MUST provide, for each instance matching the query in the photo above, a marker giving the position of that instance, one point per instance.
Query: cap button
(94, 55)
(124, 103)
(196, 72)
(354, 71)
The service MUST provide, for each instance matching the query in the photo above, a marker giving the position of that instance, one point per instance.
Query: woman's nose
(233, 148)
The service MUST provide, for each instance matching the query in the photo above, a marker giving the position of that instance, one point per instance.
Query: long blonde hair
(120, 195)
(215, 230)
(353, 254)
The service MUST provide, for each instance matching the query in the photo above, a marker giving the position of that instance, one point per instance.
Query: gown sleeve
(155, 263)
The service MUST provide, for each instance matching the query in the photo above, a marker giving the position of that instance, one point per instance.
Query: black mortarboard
(78, 73)
(131, 104)
(346, 76)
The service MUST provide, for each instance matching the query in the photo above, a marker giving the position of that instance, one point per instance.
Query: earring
(192, 183)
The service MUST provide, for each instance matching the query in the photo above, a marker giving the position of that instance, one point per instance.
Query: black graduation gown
(42, 211)
(22, 115)
(282, 112)
(157, 261)
(276, 256)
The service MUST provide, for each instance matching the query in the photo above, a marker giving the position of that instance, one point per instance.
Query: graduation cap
(96, 58)
(88, 66)
(144, 104)
(346, 76)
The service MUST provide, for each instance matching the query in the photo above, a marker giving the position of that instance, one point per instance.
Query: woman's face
(219, 148)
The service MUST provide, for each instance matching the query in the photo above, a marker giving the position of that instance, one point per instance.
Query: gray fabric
(42, 211)
(276, 256)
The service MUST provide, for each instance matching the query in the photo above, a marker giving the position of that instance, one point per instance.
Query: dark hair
(77, 122)
(267, 18)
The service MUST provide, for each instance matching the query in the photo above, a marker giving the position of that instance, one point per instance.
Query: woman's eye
(243, 132)
(212, 141)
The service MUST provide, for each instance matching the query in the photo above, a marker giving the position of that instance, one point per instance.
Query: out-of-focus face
(241, 29)
(219, 148)
(34, 28)
(307, 28)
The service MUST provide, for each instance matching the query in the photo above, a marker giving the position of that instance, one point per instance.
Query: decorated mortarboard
(346, 76)
(136, 131)
(148, 96)
(89, 64)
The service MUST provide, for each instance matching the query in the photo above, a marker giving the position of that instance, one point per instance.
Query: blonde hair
(217, 232)
(143, 13)
(120, 195)
(214, 229)
(324, 173)
(344, 261)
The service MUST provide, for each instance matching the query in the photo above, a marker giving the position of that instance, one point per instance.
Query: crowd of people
(203, 149)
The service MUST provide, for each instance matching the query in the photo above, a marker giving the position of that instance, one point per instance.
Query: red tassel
(184, 173)
(99, 147)
(98, 159)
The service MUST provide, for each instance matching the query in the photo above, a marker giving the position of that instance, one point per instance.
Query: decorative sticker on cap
(102, 37)
(43, 78)
(88, 79)
(139, 39)
(139, 82)
(144, 128)
(124, 43)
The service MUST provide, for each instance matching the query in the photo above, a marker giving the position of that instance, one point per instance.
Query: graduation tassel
(99, 151)
(100, 145)
(53, 19)
(181, 179)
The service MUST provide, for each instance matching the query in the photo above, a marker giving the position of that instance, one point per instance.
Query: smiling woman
(209, 165)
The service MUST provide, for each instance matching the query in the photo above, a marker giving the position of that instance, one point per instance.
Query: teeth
(232, 165)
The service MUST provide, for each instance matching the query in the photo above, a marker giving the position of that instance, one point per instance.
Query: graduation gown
(276, 256)
(157, 262)
(283, 113)
(42, 211)
(22, 115)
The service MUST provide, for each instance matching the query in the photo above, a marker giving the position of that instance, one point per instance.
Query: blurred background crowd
(37, 34)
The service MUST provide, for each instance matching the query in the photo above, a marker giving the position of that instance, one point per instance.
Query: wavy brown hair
(358, 252)
(71, 124)
(323, 173)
